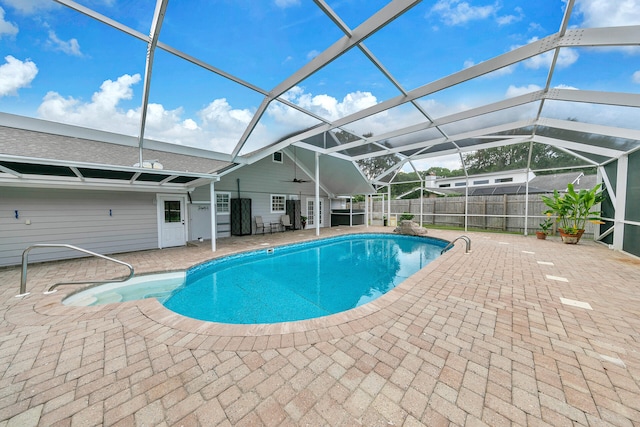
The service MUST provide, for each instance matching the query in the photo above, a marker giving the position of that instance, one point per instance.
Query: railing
(450, 245)
(25, 262)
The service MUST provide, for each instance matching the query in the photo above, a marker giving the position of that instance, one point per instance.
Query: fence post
(484, 213)
(504, 212)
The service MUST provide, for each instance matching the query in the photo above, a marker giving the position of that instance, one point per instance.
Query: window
(444, 185)
(504, 179)
(172, 211)
(459, 184)
(481, 181)
(277, 157)
(278, 203)
(222, 203)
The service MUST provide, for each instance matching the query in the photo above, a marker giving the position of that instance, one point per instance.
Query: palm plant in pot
(545, 228)
(573, 209)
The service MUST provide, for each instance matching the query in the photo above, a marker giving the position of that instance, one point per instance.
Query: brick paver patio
(519, 332)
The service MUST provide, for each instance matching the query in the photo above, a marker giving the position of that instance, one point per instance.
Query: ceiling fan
(295, 170)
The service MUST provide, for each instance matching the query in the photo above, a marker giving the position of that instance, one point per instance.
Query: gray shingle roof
(47, 146)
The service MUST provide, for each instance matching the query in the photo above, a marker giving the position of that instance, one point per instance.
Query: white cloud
(510, 19)
(514, 91)
(101, 113)
(219, 129)
(566, 87)
(286, 3)
(323, 105)
(29, 7)
(457, 12)
(71, 47)
(16, 74)
(225, 123)
(567, 57)
(7, 28)
(607, 13)
(636, 77)
(312, 54)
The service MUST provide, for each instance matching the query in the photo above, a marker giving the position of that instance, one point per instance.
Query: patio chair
(286, 222)
(260, 225)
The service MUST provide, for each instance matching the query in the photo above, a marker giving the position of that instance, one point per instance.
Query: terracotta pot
(571, 239)
(541, 235)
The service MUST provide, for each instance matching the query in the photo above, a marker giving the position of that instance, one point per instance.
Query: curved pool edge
(150, 319)
(195, 268)
(162, 323)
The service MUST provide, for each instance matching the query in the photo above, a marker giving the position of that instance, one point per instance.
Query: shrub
(406, 216)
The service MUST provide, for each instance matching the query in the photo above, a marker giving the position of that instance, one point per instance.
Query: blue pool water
(301, 281)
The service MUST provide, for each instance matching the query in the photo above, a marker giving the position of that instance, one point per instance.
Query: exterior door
(311, 213)
(171, 218)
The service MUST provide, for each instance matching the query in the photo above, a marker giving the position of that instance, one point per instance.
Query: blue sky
(59, 65)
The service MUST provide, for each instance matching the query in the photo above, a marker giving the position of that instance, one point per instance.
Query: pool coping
(164, 325)
(159, 323)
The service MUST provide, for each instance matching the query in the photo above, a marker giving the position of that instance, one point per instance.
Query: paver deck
(519, 332)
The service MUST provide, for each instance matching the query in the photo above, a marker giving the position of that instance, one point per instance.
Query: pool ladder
(25, 262)
(450, 245)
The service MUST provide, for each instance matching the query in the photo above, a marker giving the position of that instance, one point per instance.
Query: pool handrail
(25, 262)
(467, 241)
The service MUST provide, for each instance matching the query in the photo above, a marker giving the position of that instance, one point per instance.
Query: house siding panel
(77, 217)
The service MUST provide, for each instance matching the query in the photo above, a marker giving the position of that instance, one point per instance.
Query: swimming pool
(298, 281)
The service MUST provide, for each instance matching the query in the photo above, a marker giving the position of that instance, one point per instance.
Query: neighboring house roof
(538, 185)
(499, 190)
(559, 181)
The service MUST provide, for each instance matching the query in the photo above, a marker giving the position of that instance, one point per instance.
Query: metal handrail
(450, 245)
(25, 262)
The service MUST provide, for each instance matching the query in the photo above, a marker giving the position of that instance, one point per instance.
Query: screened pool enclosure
(410, 83)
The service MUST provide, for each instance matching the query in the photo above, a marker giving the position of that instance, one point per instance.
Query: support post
(214, 222)
(388, 204)
(621, 199)
(421, 200)
(350, 211)
(366, 210)
(316, 211)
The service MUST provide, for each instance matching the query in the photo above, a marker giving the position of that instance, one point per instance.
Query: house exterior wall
(258, 182)
(482, 179)
(76, 217)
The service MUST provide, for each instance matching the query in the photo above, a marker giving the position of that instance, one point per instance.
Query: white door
(171, 220)
(311, 213)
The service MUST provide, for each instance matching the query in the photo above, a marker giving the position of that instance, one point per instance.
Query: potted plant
(303, 221)
(544, 228)
(573, 209)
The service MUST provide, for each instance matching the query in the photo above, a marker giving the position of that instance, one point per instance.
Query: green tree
(444, 172)
(516, 156)
(373, 166)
